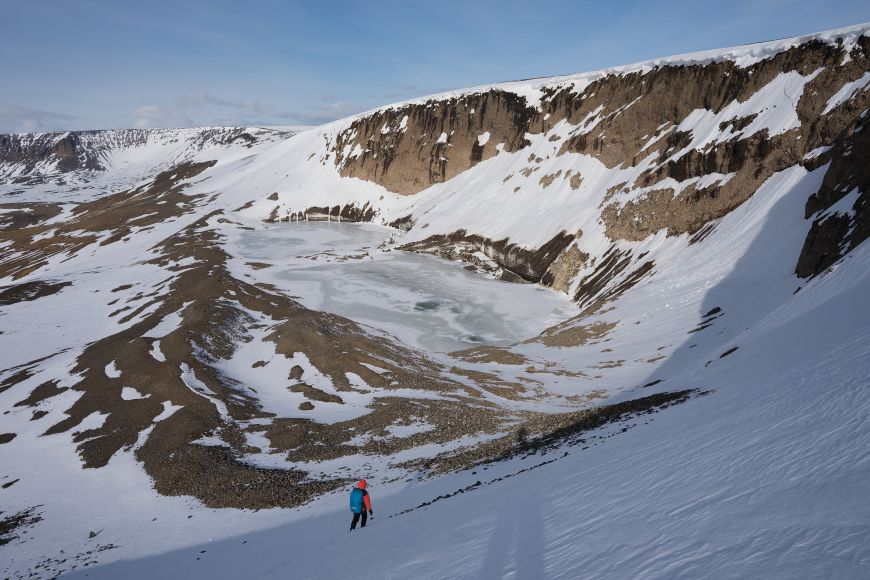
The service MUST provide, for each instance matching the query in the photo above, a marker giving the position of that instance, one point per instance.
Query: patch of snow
(846, 92)
(167, 324)
(816, 152)
(156, 352)
(773, 107)
(168, 410)
(413, 428)
(112, 371)
(131, 394)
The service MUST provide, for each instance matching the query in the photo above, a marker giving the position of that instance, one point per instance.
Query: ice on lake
(423, 300)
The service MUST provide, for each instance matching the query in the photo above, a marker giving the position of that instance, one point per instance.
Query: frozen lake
(421, 299)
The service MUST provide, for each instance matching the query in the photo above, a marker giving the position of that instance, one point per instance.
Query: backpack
(356, 500)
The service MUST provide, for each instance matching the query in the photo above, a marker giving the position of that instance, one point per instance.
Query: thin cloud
(205, 99)
(16, 119)
(152, 116)
(326, 112)
(209, 110)
(222, 111)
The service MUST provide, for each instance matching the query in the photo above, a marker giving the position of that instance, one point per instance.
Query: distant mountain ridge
(26, 157)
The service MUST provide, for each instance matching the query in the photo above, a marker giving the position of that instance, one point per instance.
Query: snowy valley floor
(766, 476)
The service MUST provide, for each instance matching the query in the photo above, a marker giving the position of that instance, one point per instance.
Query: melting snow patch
(156, 352)
(418, 426)
(714, 178)
(44, 235)
(112, 371)
(93, 421)
(167, 324)
(816, 152)
(591, 119)
(168, 410)
(131, 394)
(483, 139)
(188, 376)
(374, 369)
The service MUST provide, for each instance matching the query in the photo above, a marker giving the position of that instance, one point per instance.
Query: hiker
(360, 503)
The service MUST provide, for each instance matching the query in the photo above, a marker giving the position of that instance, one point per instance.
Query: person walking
(360, 503)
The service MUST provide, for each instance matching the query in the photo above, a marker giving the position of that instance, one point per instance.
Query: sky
(93, 64)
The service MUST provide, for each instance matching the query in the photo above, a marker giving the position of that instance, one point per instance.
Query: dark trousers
(356, 519)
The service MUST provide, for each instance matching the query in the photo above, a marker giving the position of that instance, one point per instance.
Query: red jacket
(367, 500)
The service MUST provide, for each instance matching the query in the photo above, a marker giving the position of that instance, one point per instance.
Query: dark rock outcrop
(528, 264)
(64, 149)
(833, 234)
(409, 148)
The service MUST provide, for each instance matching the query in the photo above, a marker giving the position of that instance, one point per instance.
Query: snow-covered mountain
(676, 385)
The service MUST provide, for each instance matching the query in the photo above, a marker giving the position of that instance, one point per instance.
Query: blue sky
(82, 64)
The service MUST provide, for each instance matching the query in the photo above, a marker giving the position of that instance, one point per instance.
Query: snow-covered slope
(764, 477)
(75, 165)
(698, 412)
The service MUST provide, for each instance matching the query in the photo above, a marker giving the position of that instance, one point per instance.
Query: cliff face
(64, 150)
(409, 148)
(834, 232)
(692, 140)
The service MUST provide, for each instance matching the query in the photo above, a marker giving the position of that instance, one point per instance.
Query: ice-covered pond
(423, 300)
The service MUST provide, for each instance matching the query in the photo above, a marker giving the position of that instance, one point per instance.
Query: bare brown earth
(573, 333)
(575, 431)
(545, 431)
(106, 220)
(29, 291)
(489, 354)
(22, 215)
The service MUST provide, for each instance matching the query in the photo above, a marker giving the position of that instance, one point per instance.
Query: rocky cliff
(691, 139)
